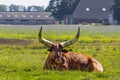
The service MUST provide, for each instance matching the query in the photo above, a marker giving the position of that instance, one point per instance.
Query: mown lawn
(25, 62)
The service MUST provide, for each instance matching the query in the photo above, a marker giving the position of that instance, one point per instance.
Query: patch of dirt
(4, 41)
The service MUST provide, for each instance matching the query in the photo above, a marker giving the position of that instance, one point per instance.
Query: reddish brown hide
(71, 61)
(60, 59)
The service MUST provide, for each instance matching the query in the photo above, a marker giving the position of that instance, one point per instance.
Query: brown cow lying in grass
(60, 59)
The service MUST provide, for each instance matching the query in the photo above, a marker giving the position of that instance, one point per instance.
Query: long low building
(26, 18)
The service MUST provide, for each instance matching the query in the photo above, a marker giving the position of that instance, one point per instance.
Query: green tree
(3, 8)
(21, 8)
(60, 8)
(35, 8)
(14, 7)
(116, 8)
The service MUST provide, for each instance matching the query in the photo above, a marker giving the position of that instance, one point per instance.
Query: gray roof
(26, 15)
(93, 9)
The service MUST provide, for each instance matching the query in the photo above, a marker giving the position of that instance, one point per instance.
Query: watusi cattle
(60, 59)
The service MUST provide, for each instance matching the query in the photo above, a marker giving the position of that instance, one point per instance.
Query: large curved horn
(42, 40)
(66, 43)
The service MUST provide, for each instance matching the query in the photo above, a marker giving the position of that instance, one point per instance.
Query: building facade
(92, 11)
(31, 18)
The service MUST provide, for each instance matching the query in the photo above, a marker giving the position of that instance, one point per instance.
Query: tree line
(17, 8)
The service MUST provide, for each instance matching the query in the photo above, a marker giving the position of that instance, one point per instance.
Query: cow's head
(56, 49)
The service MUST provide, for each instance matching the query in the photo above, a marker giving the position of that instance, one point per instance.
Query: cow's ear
(65, 50)
(70, 49)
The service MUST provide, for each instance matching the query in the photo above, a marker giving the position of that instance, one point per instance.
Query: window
(1, 15)
(103, 9)
(8, 16)
(46, 16)
(87, 9)
(31, 16)
(39, 16)
(23, 16)
(16, 15)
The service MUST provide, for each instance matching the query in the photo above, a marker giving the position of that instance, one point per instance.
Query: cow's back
(82, 62)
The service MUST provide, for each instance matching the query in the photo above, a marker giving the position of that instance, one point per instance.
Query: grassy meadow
(21, 61)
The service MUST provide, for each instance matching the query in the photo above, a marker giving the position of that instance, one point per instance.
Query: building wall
(78, 21)
(25, 21)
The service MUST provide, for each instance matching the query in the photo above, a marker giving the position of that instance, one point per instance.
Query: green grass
(26, 62)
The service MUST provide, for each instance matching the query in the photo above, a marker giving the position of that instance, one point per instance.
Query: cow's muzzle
(58, 60)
